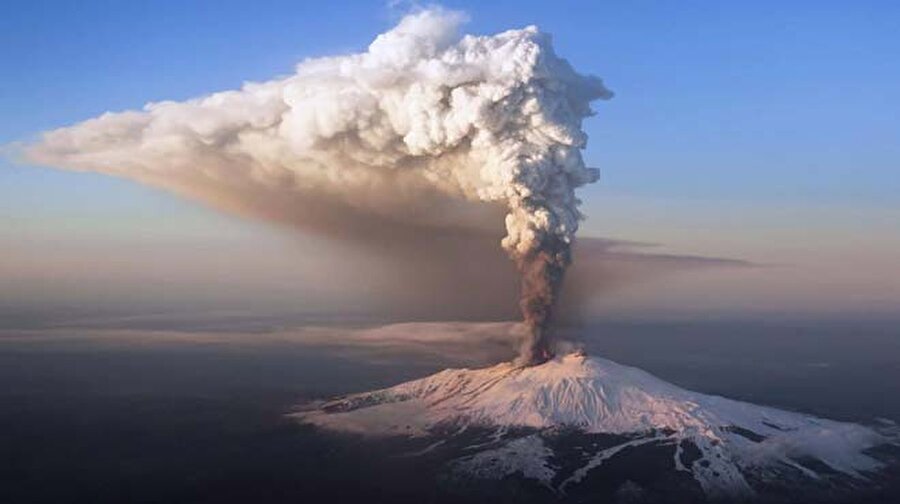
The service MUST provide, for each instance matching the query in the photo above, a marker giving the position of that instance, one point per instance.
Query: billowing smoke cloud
(417, 129)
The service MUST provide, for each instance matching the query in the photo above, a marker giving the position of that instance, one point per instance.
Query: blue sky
(735, 124)
(792, 101)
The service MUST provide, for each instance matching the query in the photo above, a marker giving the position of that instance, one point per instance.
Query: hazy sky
(763, 131)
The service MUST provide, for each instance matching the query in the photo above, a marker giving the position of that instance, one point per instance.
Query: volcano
(561, 422)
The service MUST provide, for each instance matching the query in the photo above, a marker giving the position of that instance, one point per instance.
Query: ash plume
(542, 271)
(419, 129)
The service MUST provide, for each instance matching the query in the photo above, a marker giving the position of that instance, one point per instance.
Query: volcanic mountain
(561, 422)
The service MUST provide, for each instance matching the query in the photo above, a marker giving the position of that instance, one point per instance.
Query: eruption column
(422, 122)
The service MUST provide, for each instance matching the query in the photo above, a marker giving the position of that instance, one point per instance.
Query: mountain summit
(728, 447)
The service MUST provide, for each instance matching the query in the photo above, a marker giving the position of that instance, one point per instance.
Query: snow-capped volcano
(727, 446)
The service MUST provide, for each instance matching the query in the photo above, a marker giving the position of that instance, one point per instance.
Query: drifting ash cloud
(426, 128)
(462, 338)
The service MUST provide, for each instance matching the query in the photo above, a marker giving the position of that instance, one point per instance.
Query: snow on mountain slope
(594, 395)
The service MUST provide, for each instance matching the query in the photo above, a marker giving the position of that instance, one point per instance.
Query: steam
(418, 129)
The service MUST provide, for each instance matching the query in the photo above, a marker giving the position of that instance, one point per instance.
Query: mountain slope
(738, 442)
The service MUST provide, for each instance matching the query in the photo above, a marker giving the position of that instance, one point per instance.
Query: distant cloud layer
(471, 342)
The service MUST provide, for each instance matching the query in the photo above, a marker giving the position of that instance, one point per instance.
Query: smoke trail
(417, 129)
(542, 274)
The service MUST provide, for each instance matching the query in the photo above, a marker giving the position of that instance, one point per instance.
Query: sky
(759, 131)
